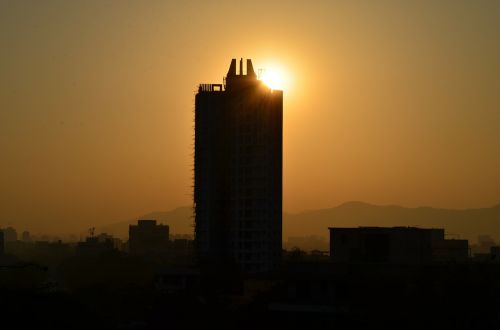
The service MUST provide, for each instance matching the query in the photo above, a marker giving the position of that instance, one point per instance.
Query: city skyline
(315, 165)
(97, 104)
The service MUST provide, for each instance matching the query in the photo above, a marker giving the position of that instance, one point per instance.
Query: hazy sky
(388, 102)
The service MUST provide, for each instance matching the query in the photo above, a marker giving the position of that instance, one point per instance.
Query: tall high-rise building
(238, 171)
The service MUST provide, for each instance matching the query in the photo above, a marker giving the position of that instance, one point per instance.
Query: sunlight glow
(274, 78)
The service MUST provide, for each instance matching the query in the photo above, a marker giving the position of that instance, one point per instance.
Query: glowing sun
(274, 78)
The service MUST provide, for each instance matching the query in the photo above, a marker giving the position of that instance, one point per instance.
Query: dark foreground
(121, 292)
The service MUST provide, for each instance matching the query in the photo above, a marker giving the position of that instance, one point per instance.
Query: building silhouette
(26, 236)
(9, 234)
(148, 238)
(495, 253)
(94, 246)
(238, 171)
(399, 245)
(2, 243)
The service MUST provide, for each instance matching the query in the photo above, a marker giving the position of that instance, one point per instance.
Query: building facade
(148, 238)
(398, 245)
(238, 171)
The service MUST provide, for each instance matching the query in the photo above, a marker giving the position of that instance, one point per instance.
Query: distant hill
(468, 223)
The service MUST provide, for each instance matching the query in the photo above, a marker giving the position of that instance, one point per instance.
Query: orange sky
(389, 103)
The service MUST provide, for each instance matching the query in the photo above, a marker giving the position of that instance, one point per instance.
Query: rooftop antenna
(260, 73)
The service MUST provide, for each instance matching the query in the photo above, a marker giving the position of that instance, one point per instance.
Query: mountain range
(465, 224)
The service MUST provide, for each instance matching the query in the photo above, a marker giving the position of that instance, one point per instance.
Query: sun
(274, 78)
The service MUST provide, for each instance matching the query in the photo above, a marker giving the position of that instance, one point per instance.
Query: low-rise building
(403, 245)
(148, 238)
(2, 243)
(9, 234)
(495, 253)
(93, 246)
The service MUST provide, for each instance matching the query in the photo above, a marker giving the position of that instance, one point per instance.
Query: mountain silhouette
(465, 224)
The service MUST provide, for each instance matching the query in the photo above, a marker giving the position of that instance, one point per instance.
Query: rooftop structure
(238, 171)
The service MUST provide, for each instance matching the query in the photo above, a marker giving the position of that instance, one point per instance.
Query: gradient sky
(389, 102)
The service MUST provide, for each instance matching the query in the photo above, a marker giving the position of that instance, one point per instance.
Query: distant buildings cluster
(238, 198)
(146, 239)
(388, 245)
